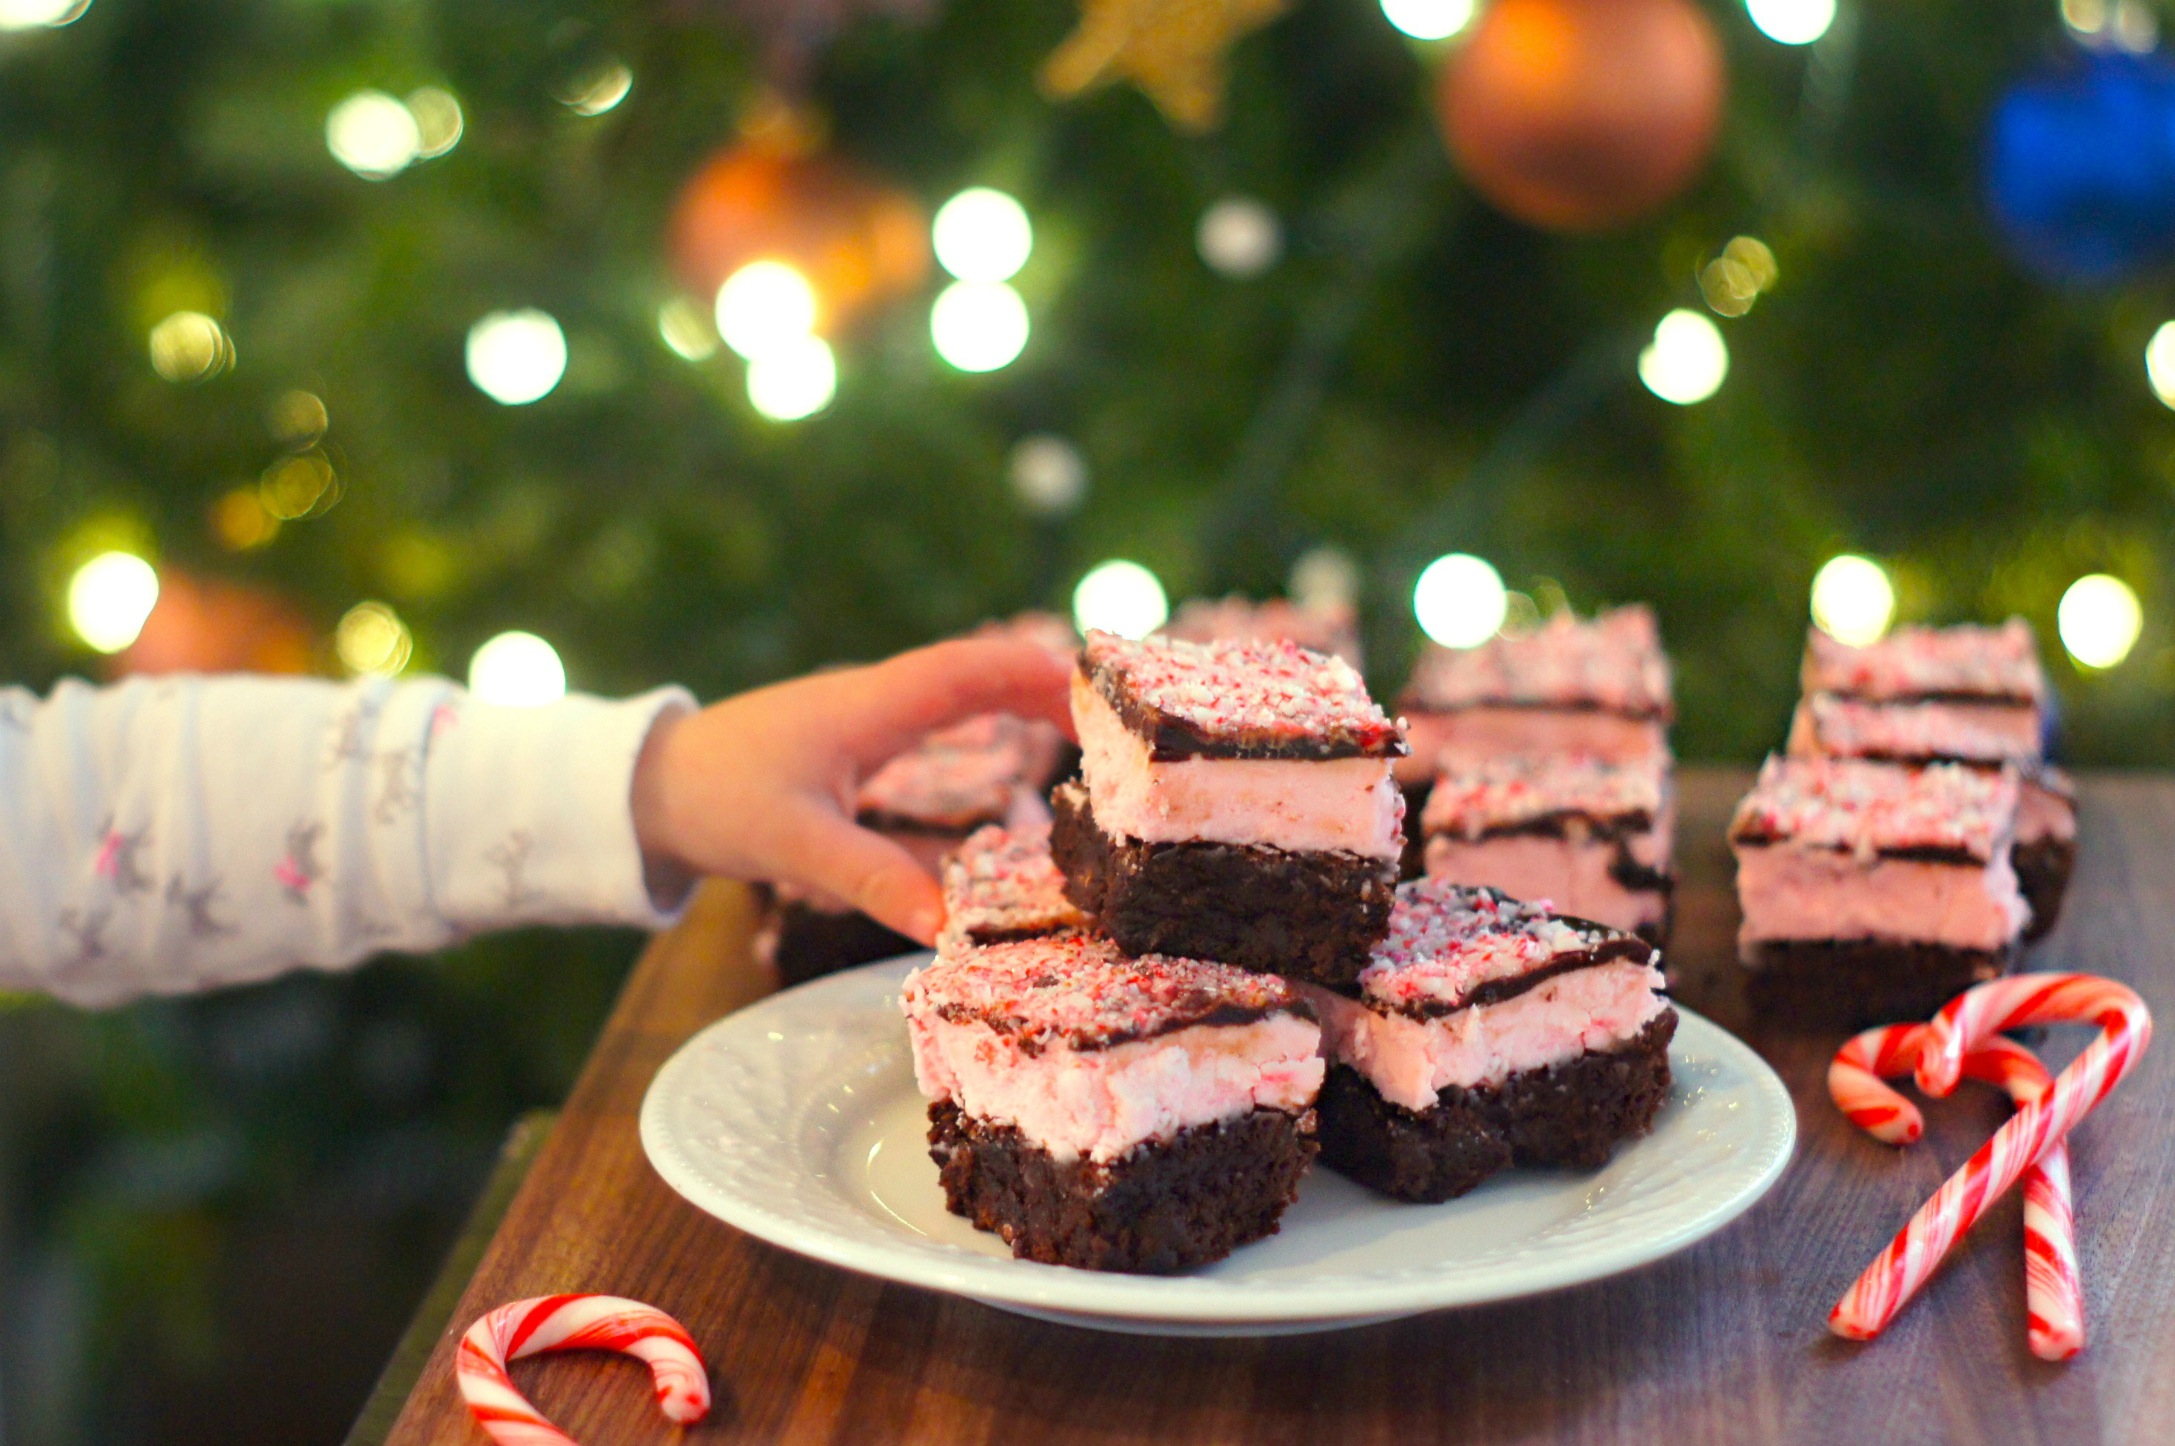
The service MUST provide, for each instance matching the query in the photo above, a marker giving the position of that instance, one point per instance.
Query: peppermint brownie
(1597, 688)
(1002, 886)
(1874, 892)
(1490, 1032)
(1591, 838)
(1112, 1113)
(1950, 695)
(1235, 804)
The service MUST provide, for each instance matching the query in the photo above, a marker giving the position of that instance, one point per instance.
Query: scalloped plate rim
(1136, 1302)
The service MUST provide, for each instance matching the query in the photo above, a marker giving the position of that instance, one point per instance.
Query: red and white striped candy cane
(2053, 1291)
(2125, 1030)
(573, 1323)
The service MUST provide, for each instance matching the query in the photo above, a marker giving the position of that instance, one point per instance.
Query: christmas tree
(381, 329)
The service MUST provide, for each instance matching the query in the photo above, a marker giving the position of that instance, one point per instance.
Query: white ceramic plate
(797, 1121)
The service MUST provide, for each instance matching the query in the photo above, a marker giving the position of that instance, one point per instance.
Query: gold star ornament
(1173, 50)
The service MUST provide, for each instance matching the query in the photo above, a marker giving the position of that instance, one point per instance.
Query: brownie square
(1573, 1114)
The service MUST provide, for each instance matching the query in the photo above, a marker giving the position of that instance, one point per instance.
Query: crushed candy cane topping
(1473, 797)
(1005, 883)
(1613, 663)
(1239, 688)
(1081, 990)
(1868, 808)
(1447, 940)
(1968, 661)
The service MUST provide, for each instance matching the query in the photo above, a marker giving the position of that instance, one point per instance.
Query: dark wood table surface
(1725, 1342)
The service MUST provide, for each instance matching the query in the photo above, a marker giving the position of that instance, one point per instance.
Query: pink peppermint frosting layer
(1572, 875)
(1253, 693)
(1410, 1061)
(1088, 1052)
(1866, 808)
(1333, 630)
(1613, 664)
(1958, 662)
(1472, 735)
(1447, 940)
(1917, 731)
(1790, 892)
(965, 775)
(1000, 882)
(1474, 798)
(1347, 804)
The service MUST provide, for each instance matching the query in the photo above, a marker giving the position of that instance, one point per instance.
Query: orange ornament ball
(1582, 115)
(203, 625)
(858, 241)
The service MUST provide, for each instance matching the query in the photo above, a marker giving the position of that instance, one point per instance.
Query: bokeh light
(982, 235)
(689, 334)
(241, 521)
(297, 417)
(297, 487)
(1120, 597)
(438, 121)
(1732, 281)
(794, 379)
(1048, 475)
(1430, 19)
(598, 89)
(2099, 619)
(1687, 360)
(516, 357)
(517, 670)
(372, 641)
(39, 14)
(189, 346)
(1792, 22)
(2160, 363)
(108, 599)
(1239, 237)
(978, 326)
(1325, 577)
(1460, 600)
(373, 135)
(763, 305)
(1852, 599)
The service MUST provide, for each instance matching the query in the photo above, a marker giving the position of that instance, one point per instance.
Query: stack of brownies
(1540, 765)
(1138, 1032)
(1913, 836)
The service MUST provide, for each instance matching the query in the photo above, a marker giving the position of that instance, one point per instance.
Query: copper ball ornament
(858, 241)
(1583, 115)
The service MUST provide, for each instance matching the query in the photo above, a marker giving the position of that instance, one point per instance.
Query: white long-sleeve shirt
(173, 834)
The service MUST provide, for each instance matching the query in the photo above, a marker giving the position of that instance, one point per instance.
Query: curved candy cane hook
(573, 1323)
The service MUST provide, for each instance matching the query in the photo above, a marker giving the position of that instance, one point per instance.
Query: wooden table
(1725, 1342)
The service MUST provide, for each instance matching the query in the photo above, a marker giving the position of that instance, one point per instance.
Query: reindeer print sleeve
(166, 835)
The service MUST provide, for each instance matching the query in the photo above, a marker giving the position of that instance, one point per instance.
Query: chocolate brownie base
(812, 943)
(1574, 1113)
(1857, 983)
(1159, 1208)
(2042, 872)
(1310, 916)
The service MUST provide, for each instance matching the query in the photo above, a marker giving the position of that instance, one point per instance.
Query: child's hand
(762, 786)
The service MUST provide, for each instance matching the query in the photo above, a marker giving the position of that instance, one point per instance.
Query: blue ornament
(2080, 167)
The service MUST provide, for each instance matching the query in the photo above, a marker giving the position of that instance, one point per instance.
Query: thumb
(868, 871)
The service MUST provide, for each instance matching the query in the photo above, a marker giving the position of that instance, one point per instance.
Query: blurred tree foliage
(1417, 374)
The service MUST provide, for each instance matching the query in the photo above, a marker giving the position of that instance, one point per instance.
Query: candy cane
(2125, 1030)
(2053, 1291)
(573, 1323)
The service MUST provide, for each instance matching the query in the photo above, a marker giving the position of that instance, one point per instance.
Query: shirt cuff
(532, 817)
